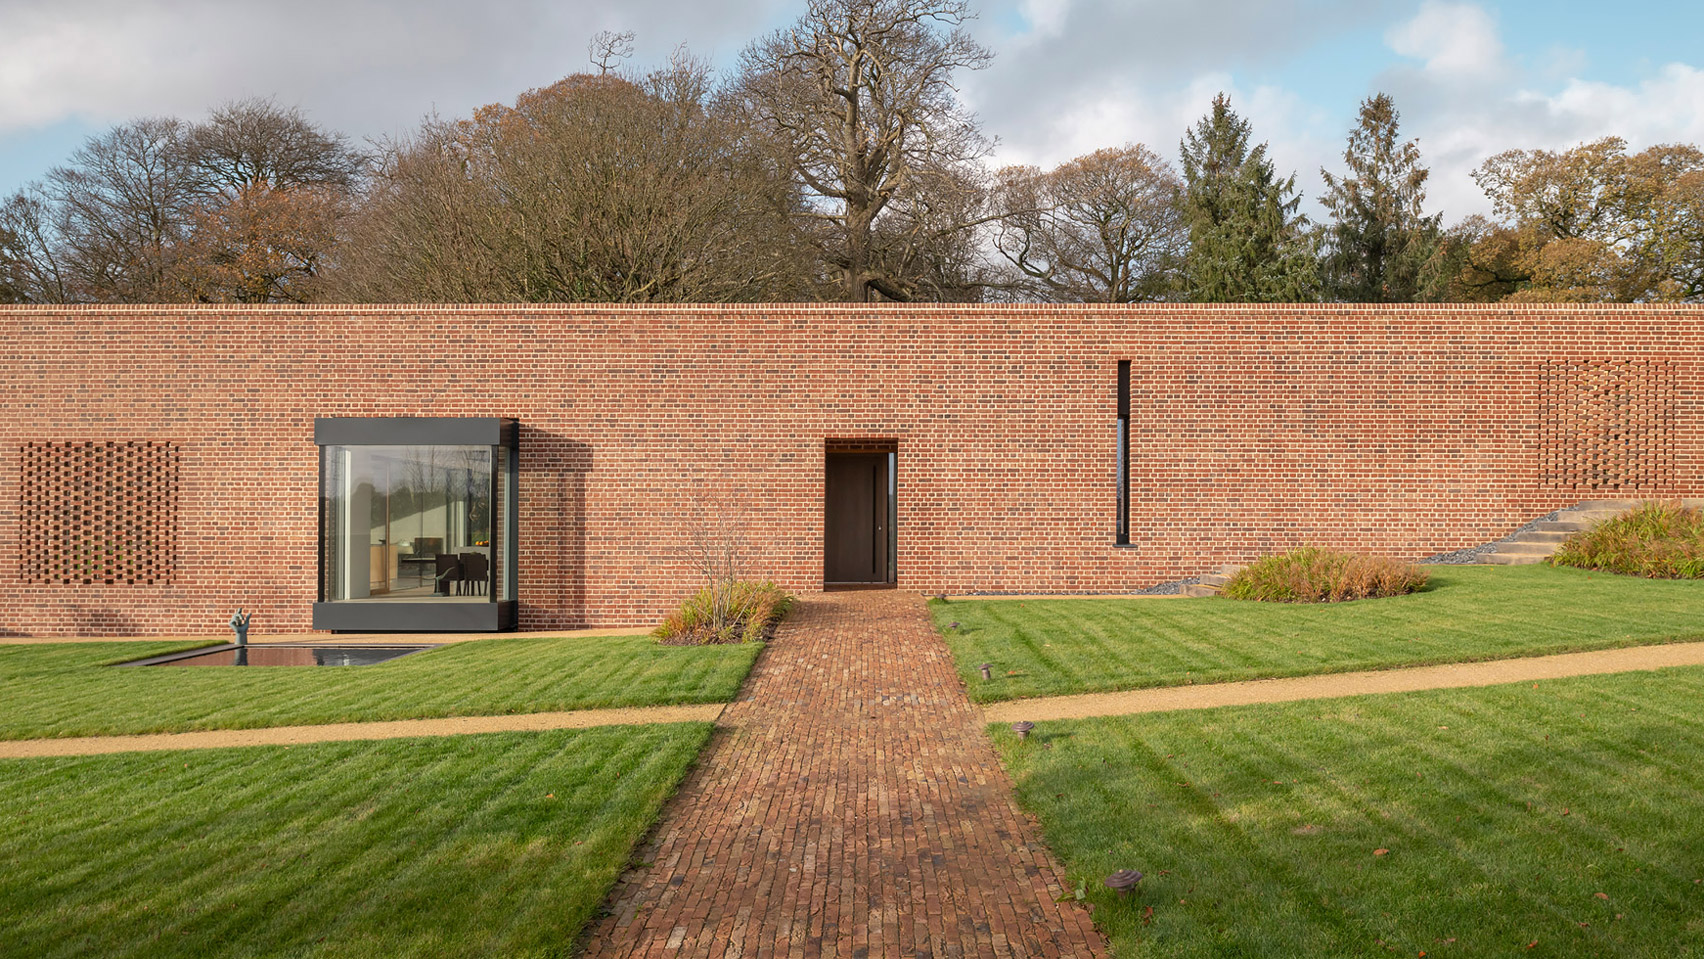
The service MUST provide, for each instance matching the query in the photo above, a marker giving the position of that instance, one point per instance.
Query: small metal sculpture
(987, 670)
(240, 625)
(1023, 728)
(1123, 881)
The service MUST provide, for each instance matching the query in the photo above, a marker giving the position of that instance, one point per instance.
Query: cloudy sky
(1471, 78)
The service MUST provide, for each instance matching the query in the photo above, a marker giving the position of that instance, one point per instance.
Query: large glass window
(417, 524)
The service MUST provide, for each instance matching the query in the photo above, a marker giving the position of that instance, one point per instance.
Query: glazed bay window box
(417, 524)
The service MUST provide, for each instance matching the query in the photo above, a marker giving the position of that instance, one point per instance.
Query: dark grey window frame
(401, 617)
(1121, 533)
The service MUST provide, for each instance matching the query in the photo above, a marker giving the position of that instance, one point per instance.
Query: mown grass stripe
(64, 690)
(1053, 647)
(1481, 851)
(498, 845)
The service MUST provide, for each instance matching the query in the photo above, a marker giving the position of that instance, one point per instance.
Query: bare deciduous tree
(608, 48)
(256, 142)
(1103, 228)
(596, 188)
(242, 207)
(273, 192)
(31, 269)
(114, 216)
(860, 96)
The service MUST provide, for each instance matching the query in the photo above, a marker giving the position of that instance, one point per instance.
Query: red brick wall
(1401, 430)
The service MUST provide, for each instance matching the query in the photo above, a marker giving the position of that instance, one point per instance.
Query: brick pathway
(850, 807)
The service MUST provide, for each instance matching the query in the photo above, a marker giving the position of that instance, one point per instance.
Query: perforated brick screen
(1607, 425)
(98, 513)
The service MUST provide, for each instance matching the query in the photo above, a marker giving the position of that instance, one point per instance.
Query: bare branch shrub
(718, 550)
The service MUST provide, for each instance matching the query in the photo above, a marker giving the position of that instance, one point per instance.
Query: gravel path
(1335, 685)
(343, 732)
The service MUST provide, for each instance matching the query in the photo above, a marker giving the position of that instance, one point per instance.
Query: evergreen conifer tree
(1378, 241)
(1247, 243)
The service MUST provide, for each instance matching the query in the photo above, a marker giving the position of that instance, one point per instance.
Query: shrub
(749, 613)
(1314, 575)
(1655, 540)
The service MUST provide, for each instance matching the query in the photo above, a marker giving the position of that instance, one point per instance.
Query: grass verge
(488, 845)
(1060, 646)
(68, 690)
(1552, 820)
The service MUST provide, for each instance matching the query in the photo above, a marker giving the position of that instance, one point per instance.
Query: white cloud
(1458, 41)
(1046, 18)
(1510, 105)
(1462, 93)
(365, 66)
(1663, 108)
(1070, 76)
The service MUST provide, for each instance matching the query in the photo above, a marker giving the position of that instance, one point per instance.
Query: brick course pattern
(849, 806)
(97, 513)
(1404, 430)
(1608, 425)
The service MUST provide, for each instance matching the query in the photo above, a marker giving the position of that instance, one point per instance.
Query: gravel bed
(1168, 589)
(1470, 555)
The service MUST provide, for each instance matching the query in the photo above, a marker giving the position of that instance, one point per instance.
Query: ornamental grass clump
(735, 612)
(1655, 540)
(1315, 575)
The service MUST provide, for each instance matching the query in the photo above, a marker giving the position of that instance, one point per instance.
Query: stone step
(1619, 505)
(1511, 559)
(1534, 545)
(1519, 548)
(1589, 515)
(1542, 536)
(1213, 579)
(1200, 589)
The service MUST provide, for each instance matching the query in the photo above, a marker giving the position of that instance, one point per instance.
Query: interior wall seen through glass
(409, 523)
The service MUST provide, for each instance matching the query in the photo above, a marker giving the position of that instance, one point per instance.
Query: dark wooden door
(855, 522)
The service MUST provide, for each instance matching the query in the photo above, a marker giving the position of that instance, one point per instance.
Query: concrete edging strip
(347, 732)
(1338, 685)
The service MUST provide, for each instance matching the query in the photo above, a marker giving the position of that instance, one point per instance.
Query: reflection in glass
(411, 523)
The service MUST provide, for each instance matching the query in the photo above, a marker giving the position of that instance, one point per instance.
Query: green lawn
(67, 690)
(497, 845)
(1052, 647)
(1548, 820)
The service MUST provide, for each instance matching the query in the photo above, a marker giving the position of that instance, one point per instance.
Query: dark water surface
(290, 656)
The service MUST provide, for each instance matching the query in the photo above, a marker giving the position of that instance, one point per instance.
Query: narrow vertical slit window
(1123, 524)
